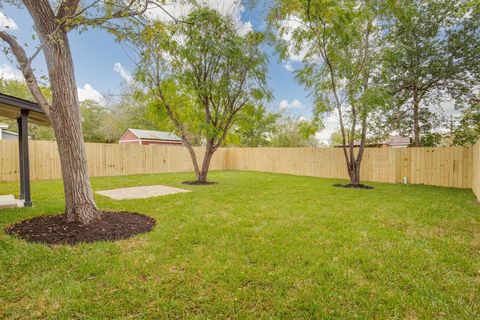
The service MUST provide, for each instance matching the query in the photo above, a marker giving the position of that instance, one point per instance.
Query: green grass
(256, 245)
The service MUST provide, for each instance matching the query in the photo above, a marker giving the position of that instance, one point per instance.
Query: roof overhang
(10, 107)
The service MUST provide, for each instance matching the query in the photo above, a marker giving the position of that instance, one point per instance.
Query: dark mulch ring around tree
(352, 186)
(53, 230)
(199, 183)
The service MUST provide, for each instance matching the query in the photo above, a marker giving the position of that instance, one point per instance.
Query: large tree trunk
(65, 115)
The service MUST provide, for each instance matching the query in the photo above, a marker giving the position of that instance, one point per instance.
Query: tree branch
(123, 12)
(324, 53)
(68, 8)
(27, 71)
(41, 46)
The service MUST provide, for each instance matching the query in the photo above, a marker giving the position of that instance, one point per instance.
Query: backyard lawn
(256, 245)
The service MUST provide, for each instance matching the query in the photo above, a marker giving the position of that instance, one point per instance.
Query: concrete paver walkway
(140, 192)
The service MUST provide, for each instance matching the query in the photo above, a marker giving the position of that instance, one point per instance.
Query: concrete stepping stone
(9, 201)
(140, 192)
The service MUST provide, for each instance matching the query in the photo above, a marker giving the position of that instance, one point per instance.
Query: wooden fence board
(445, 166)
(457, 167)
(476, 169)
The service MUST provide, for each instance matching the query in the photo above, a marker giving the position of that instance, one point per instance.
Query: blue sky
(100, 63)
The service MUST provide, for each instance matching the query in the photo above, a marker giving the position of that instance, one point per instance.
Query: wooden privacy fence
(103, 159)
(457, 167)
(476, 170)
(445, 166)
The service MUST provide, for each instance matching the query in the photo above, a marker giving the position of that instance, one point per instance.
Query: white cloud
(244, 28)
(331, 124)
(123, 73)
(7, 23)
(289, 66)
(447, 106)
(89, 93)
(169, 12)
(178, 10)
(294, 104)
(9, 73)
(287, 29)
(303, 119)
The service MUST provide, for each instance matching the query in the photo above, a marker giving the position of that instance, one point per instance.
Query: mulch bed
(199, 183)
(55, 229)
(353, 186)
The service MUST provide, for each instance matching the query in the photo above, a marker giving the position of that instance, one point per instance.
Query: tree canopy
(339, 42)
(431, 56)
(201, 74)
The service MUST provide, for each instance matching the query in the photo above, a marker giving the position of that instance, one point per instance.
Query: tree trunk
(203, 173)
(65, 115)
(357, 162)
(353, 169)
(193, 155)
(354, 173)
(202, 177)
(416, 120)
(66, 120)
